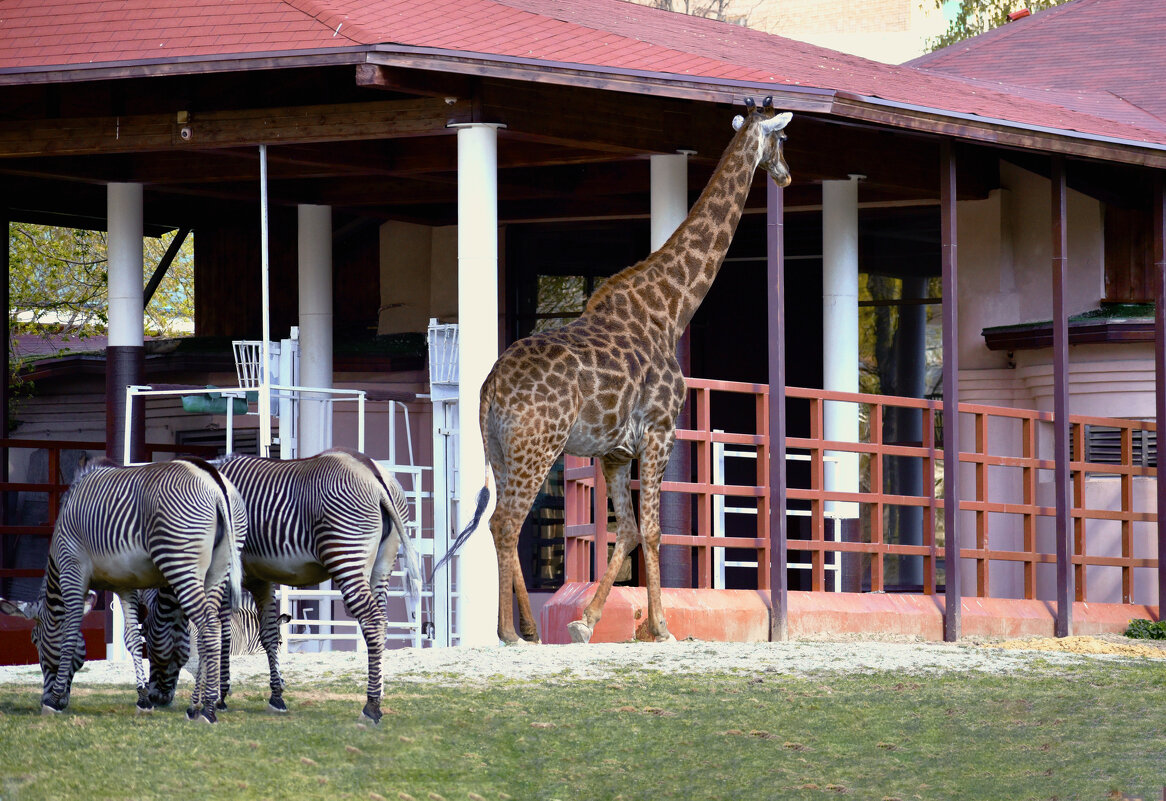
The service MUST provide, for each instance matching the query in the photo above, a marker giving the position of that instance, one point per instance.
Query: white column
(840, 329)
(125, 353)
(669, 207)
(669, 176)
(477, 251)
(315, 315)
(125, 265)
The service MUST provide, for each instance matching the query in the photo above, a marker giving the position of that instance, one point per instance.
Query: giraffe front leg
(657, 448)
(133, 642)
(617, 474)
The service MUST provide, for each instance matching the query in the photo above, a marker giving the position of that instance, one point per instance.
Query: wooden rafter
(288, 125)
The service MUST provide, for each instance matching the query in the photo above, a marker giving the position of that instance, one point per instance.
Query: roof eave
(182, 65)
(998, 132)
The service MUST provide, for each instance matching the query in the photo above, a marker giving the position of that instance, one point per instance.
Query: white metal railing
(721, 510)
(346, 395)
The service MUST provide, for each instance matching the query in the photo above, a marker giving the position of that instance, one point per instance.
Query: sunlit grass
(1083, 732)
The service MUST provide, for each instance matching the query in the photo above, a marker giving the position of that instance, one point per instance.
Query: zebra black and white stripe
(336, 516)
(129, 528)
(168, 635)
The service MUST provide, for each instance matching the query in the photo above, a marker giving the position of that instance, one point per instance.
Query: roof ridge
(320, 11)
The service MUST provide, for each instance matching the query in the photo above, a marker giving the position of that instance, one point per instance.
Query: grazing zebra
(129, 528)
(168, 635)
(336, 516)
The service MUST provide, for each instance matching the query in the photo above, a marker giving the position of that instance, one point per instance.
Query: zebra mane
(92, 466)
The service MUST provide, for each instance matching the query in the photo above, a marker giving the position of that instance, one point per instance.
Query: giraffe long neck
(668, 286)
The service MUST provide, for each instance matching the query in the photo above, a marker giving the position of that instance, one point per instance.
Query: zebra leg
(70, 655)
(133, 643)
(268, 610)
(206, 685)
(358, 597)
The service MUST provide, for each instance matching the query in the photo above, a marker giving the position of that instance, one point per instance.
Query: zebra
(168, 635)
(338, 516)
(128, 528)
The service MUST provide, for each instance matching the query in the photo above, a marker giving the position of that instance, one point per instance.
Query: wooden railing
(1003, 525)
(55, 488)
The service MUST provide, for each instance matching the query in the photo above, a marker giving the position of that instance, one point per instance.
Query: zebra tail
(479, 510)
(232, 547)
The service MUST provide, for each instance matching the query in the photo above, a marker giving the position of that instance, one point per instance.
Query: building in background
(890, 31)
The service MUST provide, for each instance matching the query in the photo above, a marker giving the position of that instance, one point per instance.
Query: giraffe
(608, 384)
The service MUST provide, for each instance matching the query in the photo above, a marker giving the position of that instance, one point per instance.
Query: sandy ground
(553, 663)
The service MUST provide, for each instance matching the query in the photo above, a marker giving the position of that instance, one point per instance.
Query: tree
(721, 10)
(58, 282)
(974, 17)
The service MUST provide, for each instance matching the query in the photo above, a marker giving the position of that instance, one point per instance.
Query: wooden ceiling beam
(219, 129)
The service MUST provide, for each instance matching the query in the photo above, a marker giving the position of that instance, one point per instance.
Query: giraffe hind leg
(515, 497)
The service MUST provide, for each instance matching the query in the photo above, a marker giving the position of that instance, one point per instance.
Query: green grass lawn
(1095, 731)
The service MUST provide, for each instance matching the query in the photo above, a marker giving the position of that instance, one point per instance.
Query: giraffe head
(763, 127)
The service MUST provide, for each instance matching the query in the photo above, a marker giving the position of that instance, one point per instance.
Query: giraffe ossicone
(608, 385)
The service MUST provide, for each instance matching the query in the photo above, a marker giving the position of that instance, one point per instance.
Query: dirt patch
(1105, 644)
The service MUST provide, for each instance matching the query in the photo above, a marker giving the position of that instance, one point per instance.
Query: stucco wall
(1005, 278)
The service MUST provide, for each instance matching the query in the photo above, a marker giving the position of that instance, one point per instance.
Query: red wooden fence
(996, 473)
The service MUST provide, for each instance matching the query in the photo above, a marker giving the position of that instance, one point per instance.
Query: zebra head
(48, 618)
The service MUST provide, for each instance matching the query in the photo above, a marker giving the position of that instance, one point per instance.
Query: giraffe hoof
(579, 631)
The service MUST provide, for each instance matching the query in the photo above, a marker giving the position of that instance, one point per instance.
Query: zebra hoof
(142, 710)
(49, 709)
(579, 631)
(372, 713)
(191, 712)
(206, 715)
(221, 705)
(276, 704)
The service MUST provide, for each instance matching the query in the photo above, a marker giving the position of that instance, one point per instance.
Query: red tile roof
(604, 34)
(1108, 48)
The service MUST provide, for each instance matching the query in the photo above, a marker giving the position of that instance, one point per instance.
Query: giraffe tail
(484, 493)
(479, 510)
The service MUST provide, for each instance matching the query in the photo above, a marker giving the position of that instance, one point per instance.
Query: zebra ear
(90, 602)
(25, 609)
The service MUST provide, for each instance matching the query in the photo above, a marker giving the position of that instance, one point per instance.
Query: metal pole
(778, 572)
(1064, 622)
(951, 427)
(265, 299)
(1160, 369)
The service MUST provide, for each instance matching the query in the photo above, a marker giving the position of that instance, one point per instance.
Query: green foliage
(974, 17)
(1141, 629)
(1082, 731)
(59, 283)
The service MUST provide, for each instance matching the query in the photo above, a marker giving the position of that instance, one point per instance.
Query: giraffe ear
(738, 121)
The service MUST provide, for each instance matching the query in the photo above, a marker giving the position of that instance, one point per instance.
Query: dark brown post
(5, 279)
(1160, 370)
(1064, 621)
(951, 421)
(778, 574)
